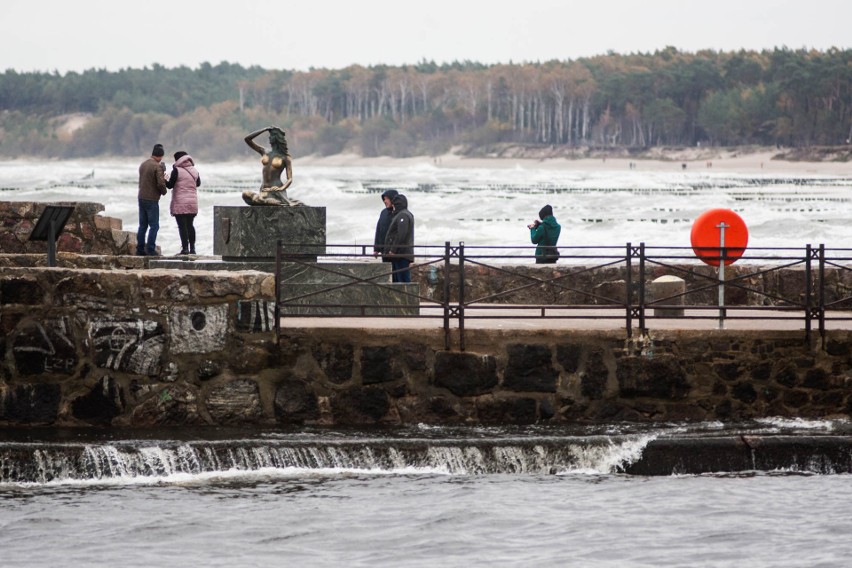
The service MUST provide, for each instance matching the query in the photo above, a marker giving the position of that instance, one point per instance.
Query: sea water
(478, 497)
(248, 511)
(480, 206)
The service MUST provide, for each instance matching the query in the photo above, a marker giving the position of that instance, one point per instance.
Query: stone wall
(521, 377)
(128, 347)
(160, 347)
(763, 285)
(86, 232)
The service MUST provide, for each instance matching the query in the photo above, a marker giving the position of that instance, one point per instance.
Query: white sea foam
(802, 424)
(481, 206)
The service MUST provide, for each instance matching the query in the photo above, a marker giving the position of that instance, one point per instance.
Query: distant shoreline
(751, 160)
(763, 161)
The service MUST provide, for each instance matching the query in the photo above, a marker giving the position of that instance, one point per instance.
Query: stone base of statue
(252, 233)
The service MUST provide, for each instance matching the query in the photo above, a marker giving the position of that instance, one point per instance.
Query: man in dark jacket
(383, 224)
(399, 242)
(152, 185)
(545, 234)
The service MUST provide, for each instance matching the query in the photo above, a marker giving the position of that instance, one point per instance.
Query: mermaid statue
(273, 191)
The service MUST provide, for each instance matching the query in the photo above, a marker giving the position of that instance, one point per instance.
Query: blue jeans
(149, 221)
(403, 275)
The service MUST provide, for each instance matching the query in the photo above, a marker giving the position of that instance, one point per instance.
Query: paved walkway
(503, 317)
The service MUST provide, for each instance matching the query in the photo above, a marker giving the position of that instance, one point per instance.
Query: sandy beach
(704, 160)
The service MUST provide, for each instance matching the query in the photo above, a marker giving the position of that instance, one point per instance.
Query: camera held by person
(534, 224)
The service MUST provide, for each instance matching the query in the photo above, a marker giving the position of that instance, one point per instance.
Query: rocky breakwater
(133, 347)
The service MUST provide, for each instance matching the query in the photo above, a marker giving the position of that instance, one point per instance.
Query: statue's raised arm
(253, 145)
(277, 160)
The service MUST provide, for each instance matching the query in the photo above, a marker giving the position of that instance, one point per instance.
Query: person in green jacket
(545, 234)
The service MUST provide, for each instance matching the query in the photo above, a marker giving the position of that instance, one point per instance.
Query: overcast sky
(69, 35)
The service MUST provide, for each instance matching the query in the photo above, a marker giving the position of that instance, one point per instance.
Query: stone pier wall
(131, 347)
(763, 285)
(522, 377)
(162, 347)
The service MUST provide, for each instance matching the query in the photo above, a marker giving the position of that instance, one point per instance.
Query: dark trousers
(149, 222)
(402, 275)
(186, 231)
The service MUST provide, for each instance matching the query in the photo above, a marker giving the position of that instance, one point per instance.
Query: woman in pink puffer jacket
(183, 183)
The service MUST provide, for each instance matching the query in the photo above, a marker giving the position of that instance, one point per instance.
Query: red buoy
(707, 232)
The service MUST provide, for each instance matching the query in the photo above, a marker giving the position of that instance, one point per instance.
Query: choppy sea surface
(85, 500)
(480, 206)
(475, 497)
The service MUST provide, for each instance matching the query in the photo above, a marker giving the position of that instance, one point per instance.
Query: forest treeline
(793, 98)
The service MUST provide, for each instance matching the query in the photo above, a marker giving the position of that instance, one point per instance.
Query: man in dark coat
(399, 242)
(384, 222)
(152, 186)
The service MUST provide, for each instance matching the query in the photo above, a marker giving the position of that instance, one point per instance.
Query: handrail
(808, 300)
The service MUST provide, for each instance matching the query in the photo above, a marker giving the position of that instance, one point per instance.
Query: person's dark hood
(390, 194)
(400, 202)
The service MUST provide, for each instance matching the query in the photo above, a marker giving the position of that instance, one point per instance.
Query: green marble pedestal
(251, 233)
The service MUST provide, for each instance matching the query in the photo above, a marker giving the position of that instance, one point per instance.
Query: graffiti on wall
(130, 345)
(44, 347)
(200, 329)
(255, 315)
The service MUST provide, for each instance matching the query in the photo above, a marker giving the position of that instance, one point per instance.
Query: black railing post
(445, 298)
(821, 299)
(641, 300)
(808, 292)
(628, 289)
(51, 243)
(277, 310)
(461, 296)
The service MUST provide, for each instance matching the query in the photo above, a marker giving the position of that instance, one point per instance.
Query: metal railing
(453, 277)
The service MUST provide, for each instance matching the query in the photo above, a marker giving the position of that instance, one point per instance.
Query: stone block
(30, 403)
(663, 289)
(295, 404)
(378, 365)
(107, 223)
(47, 346)
(334, 272)
(122, 240)
(198, 329)
(366, 405)
(235, 402)
(129, 345)
(465, 374)
(291, 272)
(322, 299)
(335, 360)
(255, 316)
(529, 368)
(101, 404)
(252, 233)
(611, 292)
